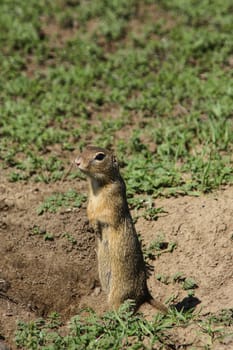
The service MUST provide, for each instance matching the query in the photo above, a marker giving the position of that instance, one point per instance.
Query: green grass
(187, 283)
(36, 230)
(121, 330)
(69, 199)
(173, 77)
(157, 247)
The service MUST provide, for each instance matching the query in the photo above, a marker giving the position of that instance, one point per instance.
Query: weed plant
(69, 199)
(118, 330)
(152, 80)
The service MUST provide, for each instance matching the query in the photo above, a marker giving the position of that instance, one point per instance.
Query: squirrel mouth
(78, 163)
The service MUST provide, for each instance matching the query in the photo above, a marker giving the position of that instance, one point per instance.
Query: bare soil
(39, 276)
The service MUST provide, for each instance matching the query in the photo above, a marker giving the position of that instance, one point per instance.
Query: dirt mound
(202, 229)
(48, 262)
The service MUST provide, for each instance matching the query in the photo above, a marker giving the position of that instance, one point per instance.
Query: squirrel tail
(157, 304)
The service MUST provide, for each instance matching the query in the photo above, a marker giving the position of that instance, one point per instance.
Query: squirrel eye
(100, 156)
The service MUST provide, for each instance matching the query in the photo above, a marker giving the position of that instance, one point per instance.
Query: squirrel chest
(104, 206)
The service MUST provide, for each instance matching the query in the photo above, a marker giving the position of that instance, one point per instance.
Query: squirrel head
(99, 164)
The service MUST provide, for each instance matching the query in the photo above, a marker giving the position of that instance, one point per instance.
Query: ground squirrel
(121, 266)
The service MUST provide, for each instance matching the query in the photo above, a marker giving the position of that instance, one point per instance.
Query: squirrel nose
(77, 161)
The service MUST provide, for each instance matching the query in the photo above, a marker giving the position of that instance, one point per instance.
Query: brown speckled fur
(121, 266)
